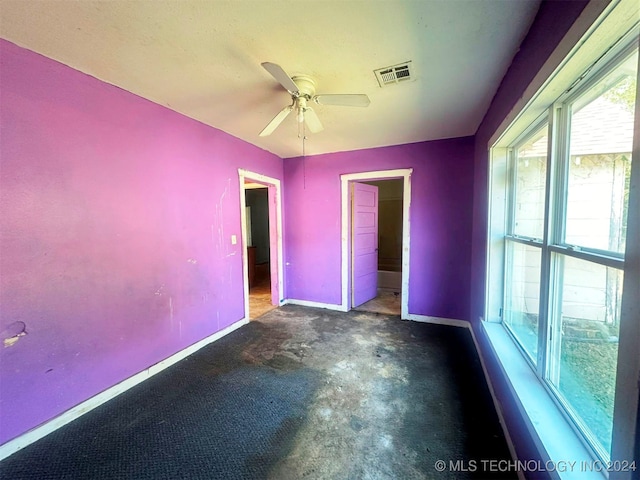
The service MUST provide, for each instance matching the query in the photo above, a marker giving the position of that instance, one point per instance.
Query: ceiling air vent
(395, 74)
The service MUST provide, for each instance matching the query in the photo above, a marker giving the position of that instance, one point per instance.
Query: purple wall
(115, 221)
(552, 22)
(116, 216)
(441, 203)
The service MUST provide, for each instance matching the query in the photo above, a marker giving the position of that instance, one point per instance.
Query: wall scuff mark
(13, 332)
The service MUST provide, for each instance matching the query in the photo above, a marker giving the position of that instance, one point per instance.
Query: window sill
(553, 436)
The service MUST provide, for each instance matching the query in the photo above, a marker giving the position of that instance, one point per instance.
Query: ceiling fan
(302, 89)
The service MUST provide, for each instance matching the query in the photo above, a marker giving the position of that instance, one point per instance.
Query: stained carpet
(299, 393)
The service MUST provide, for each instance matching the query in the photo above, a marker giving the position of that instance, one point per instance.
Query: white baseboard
(18, 443)
(452, 322)
(50, 426)
(306, 303)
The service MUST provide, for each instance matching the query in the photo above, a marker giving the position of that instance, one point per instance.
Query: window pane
(600, 164)
(585, 343)
(522, 290)
(531, 172)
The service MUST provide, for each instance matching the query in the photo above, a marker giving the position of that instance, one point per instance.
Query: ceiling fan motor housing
(306, 86)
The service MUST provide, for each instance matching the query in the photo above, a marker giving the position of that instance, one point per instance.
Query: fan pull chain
(304, 155)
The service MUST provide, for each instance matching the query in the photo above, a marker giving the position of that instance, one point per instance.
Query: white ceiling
(202, 58)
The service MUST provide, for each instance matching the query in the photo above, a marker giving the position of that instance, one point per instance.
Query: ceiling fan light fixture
(301, 104)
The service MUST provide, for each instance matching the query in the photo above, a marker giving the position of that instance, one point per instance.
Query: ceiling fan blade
(277, 120)
(281, 76)
(347, 100)
(313, 122)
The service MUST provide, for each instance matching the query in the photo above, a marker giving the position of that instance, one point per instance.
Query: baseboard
(50, 426)
(496, 404)
(452, 322)
(306, 303)
(35, 434)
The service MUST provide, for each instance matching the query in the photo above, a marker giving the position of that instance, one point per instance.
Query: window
(584, 346)
(530, 167)
(600, 143)
(523, 295)
(566, 184)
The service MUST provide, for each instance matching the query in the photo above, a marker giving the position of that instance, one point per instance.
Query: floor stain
(379, 378)
(299, 393)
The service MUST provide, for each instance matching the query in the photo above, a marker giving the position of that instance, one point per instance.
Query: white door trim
(267, 181)
(405, 174)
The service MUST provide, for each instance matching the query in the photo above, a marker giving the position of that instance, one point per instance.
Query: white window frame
(553, 246)
(500, 218)
(511, 236)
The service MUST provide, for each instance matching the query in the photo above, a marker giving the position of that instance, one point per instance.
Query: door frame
(275, 233)
(345, 180)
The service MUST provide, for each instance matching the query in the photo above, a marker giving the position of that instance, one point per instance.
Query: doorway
(261, 216)
(258, 247)
(389, 248)
(392, 248)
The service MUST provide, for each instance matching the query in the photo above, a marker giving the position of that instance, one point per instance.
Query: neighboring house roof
(601, 127)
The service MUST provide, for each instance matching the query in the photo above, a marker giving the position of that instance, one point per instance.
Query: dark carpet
(299, 393)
